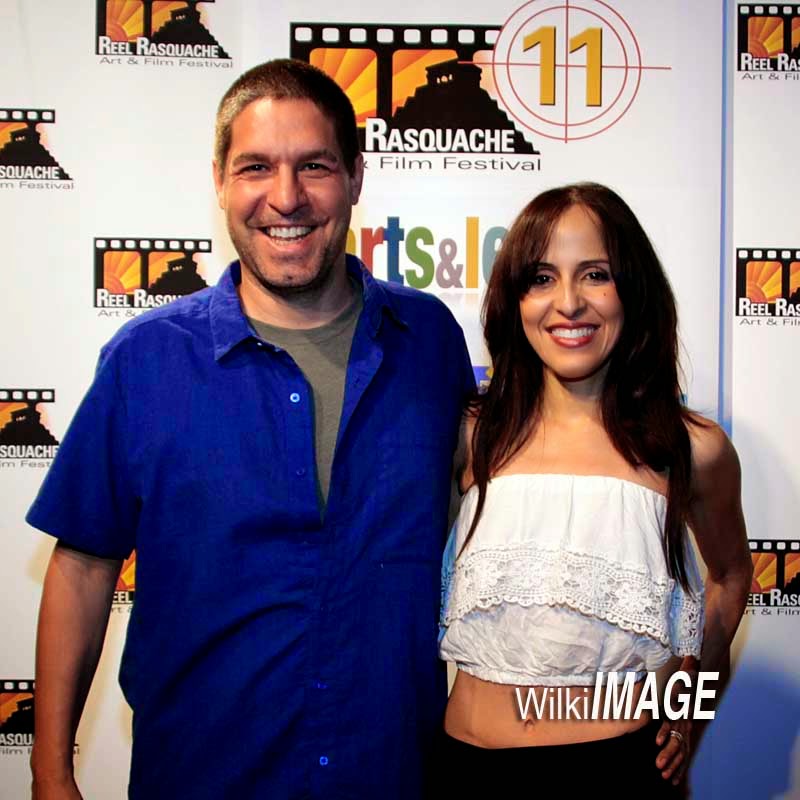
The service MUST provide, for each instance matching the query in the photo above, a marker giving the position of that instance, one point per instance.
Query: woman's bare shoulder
(715, 515)
(714, 458)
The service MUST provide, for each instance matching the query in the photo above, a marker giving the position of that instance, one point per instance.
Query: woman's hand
(675, 739)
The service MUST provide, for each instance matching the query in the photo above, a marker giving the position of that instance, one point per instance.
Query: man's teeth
(295, 232)
(572, 333)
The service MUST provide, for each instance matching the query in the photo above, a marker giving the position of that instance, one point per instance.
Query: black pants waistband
(620, 767)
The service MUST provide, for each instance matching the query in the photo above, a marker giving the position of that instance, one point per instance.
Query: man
(277, 450)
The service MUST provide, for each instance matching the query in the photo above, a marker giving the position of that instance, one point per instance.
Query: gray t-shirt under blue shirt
(321, 354)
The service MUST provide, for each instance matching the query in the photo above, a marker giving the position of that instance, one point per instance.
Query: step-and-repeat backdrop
(467, 110)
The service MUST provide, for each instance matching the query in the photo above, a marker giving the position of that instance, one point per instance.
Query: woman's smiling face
(571, 314)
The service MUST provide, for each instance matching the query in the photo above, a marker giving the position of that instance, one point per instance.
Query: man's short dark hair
(288, 79)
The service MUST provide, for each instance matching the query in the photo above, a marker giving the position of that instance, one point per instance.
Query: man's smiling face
(287, 195)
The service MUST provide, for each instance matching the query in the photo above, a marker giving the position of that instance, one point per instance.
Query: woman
(570, 555)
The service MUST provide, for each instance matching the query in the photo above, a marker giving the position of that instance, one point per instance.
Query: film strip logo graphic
(768, 283)
(776, 572)
(23, 434)
(563, 71)
(152, 28)
(16, 712)
(413, 78)
(768, 37)
(125, 590)
(144, 273)
(23, 157)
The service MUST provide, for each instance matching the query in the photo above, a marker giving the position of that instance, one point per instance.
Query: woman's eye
(599, 276)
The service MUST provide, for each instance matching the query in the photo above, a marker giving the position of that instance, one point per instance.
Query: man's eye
(253, 168)
(315, 166)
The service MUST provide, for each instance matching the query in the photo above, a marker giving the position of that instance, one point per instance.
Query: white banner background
(136, 140)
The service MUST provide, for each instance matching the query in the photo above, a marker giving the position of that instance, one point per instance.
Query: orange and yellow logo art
(409, 71)
(794, 277)
(7, 128)
(122, 270)
(9, 704)
(356, 71)
(763, 281)
(127, 575)
(765, 36)
(765, 574)
(792, 566)
(6, 409)
(125, 18)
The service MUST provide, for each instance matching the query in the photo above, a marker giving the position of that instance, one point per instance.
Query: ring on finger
(679, 736)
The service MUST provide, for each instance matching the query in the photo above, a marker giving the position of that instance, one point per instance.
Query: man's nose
(286, 193)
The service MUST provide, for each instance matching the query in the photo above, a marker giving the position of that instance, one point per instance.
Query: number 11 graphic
(591, 39)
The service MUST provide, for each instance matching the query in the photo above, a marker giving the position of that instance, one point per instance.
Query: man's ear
(357, 179)
(218, 183)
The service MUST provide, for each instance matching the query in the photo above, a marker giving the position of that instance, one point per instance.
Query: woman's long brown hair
(641, 403)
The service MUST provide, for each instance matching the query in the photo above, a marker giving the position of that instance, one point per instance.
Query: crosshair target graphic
(567, 71)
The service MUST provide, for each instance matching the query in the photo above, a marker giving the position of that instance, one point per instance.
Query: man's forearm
(73, 616)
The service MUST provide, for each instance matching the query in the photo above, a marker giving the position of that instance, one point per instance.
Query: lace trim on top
(624, 595)
(587, 543)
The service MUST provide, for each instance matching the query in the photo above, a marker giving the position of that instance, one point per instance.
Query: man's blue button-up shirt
(271, 652)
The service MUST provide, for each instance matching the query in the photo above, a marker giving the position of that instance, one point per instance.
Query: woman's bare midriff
(488, 715)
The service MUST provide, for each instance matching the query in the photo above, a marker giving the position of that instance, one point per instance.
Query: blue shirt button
(300, 472)
(321, 685)
(323, 761)
(294, 397)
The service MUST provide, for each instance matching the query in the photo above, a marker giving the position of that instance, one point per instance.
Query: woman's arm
(716, 518)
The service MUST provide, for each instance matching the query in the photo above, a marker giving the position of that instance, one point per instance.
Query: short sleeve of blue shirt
(87, 499)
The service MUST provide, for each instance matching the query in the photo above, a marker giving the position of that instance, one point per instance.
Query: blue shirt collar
(229, 326)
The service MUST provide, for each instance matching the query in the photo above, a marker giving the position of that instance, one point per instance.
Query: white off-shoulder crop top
(565, 576)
